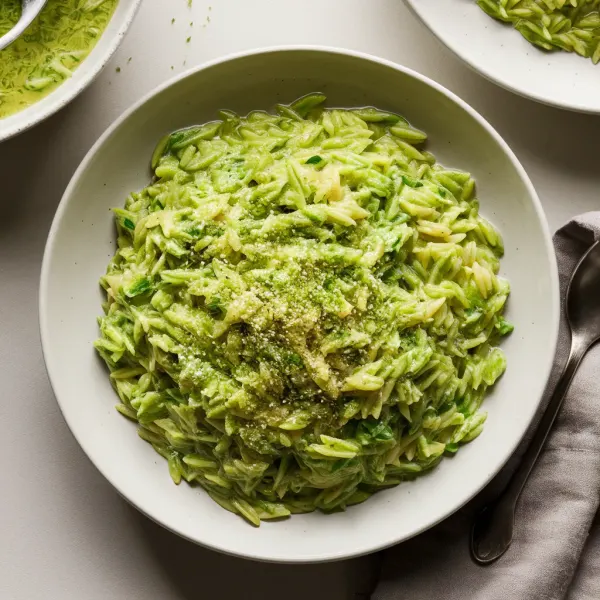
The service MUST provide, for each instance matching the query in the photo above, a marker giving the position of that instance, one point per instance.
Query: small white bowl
(81, 242)
(81, 78)
(501, 54)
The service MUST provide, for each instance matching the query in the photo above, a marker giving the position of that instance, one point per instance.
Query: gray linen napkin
(556, 549)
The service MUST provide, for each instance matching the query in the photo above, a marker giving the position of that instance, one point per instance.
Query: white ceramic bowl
(82, 240)
(82, 77)
(502, 55)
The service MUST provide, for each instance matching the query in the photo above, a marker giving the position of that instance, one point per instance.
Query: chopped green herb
(141, 286)
(215, 306)
(411, 182)
(314, 160)
(294, 359)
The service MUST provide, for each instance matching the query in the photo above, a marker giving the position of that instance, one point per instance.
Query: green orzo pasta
(571, 25)
(303, 307)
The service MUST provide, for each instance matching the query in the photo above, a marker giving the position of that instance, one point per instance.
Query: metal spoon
(492, 530)
(30, 9)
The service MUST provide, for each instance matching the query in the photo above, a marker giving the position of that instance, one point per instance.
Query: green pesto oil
(53, 46)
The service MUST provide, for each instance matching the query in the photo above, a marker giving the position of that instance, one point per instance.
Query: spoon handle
(30, 10)
(492, 530)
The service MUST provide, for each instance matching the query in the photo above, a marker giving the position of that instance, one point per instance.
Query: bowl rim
(44, 319)
(530, 94)
(56, 99)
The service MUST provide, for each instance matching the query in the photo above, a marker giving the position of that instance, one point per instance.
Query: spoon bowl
(583, 297)
(30, 9)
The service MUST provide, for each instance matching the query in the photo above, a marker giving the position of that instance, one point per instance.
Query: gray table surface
(64, 532)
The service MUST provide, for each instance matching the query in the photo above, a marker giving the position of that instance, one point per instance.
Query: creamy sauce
(49, 51)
